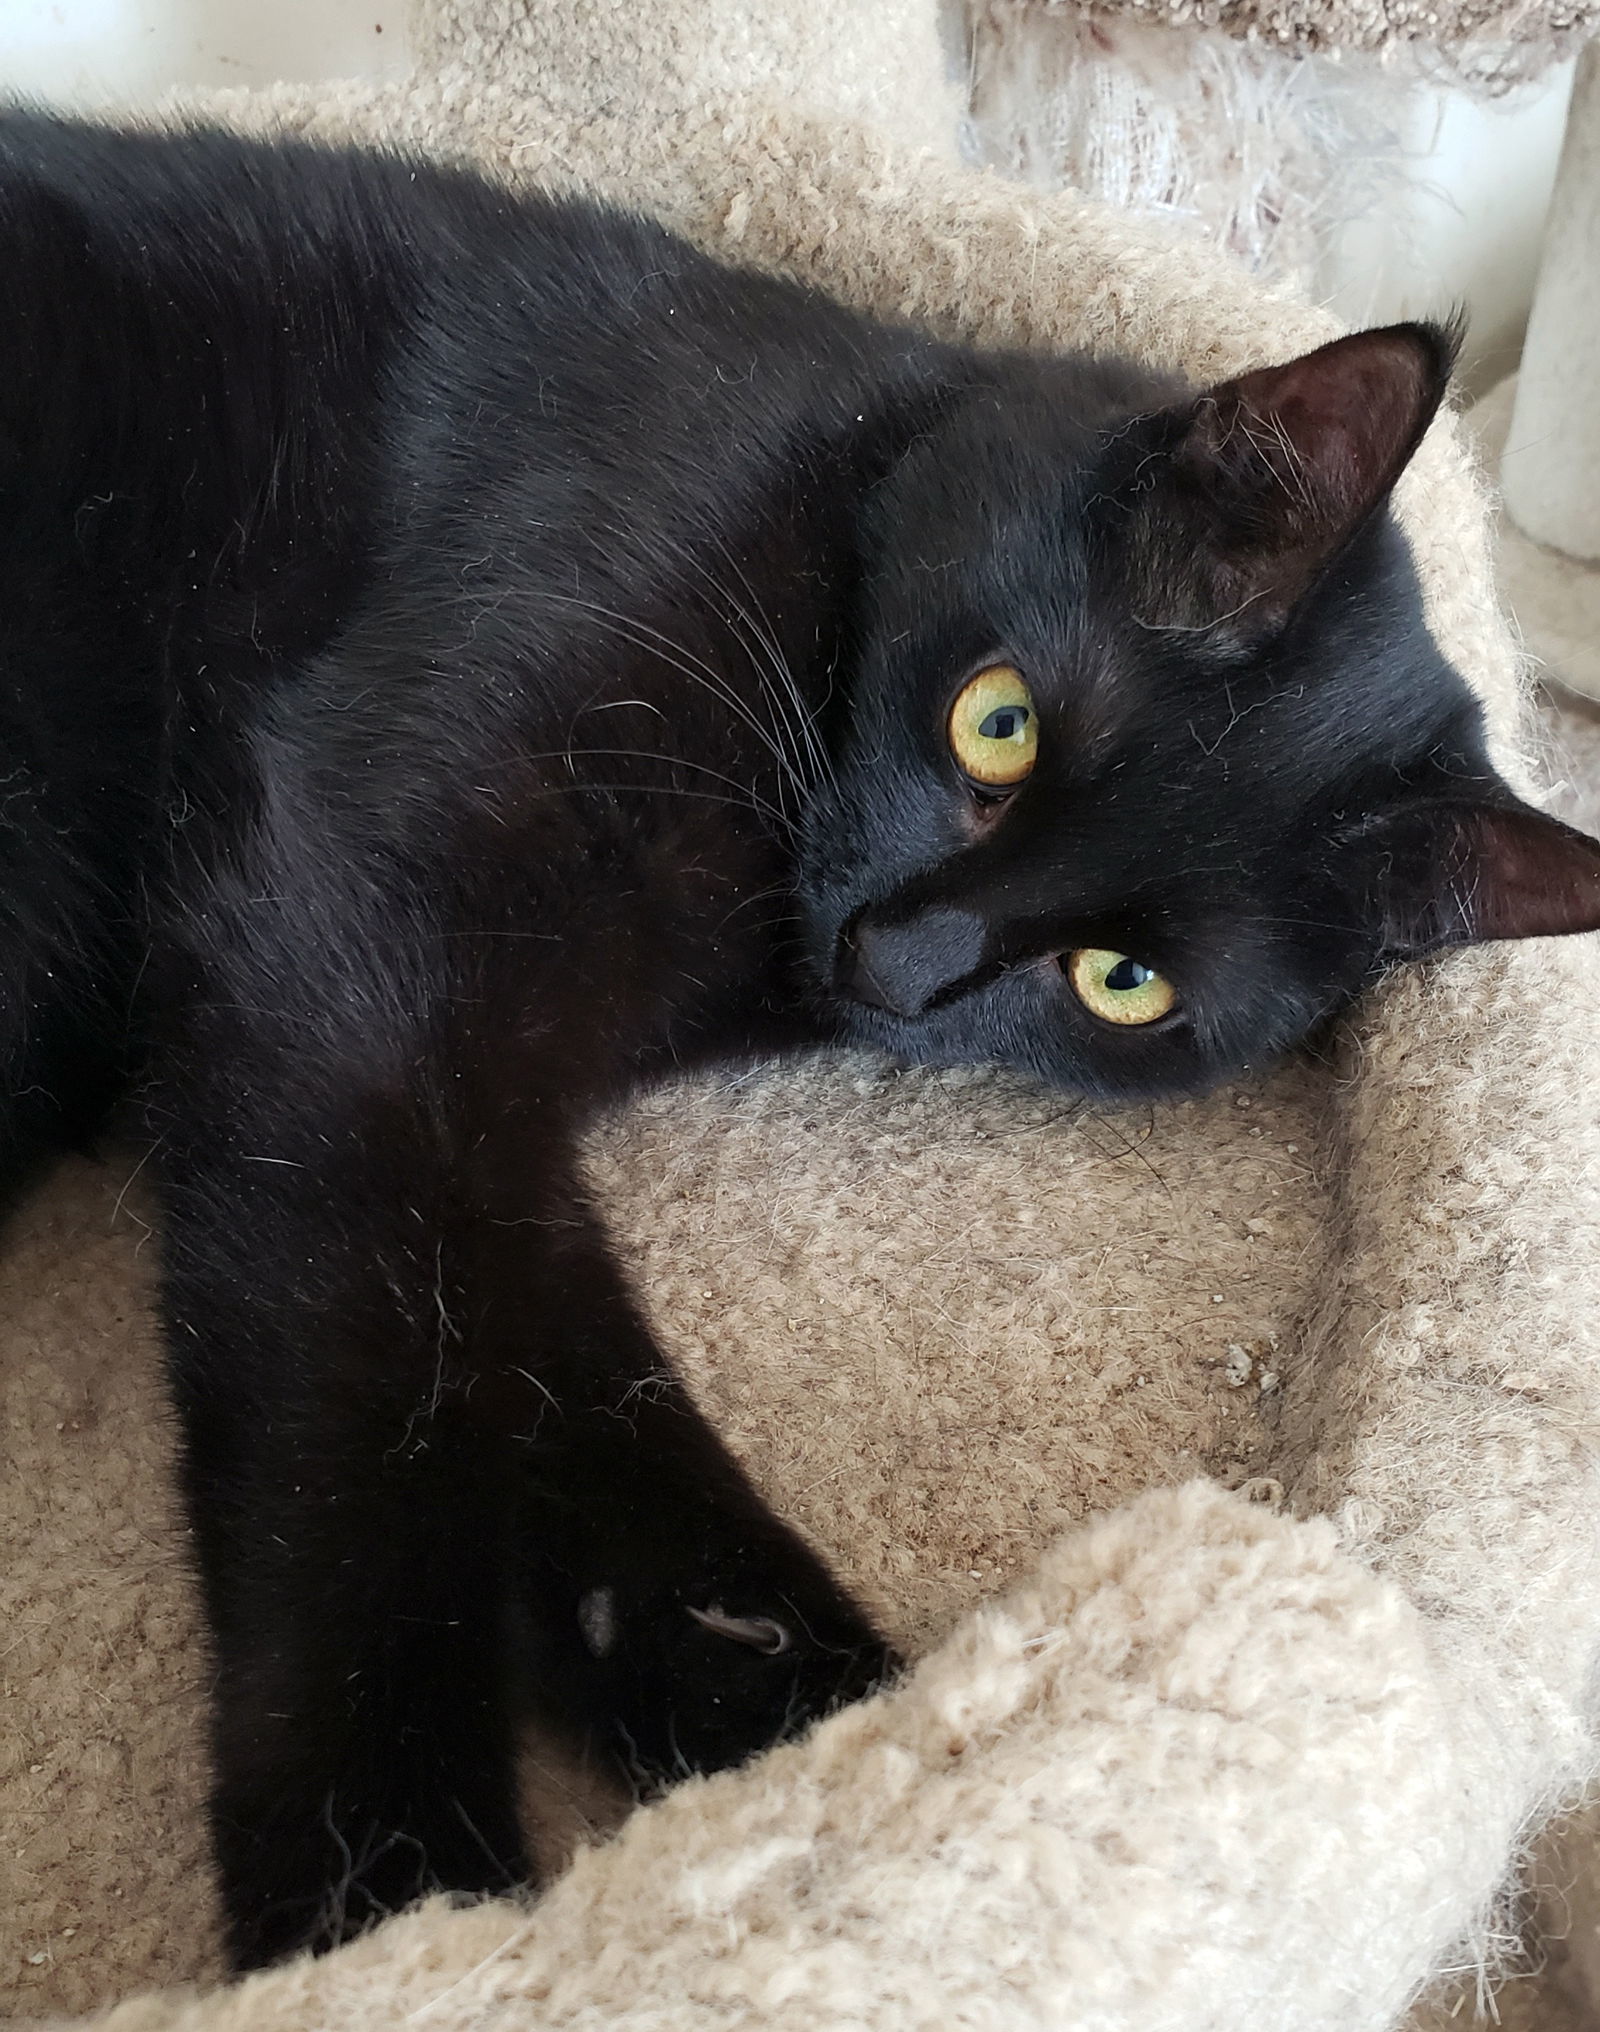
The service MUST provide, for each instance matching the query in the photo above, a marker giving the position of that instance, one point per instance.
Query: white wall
(90, 53)
(1466, 228)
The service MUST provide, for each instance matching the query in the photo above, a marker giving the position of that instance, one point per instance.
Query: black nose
(901, 967)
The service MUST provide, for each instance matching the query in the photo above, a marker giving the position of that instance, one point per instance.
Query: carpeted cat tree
(1232, 1469)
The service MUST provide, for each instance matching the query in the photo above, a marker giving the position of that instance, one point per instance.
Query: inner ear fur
(1274, 472)
(1463, 873)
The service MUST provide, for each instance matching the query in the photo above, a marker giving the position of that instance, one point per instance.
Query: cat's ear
(1274, 472)
(1461, 873)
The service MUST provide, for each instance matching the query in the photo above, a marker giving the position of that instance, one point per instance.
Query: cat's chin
(909, 1044)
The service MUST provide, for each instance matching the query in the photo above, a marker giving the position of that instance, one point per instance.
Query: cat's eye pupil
(1004, 723)
(1127, 975)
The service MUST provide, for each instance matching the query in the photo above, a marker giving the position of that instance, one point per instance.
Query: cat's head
(1148, 761)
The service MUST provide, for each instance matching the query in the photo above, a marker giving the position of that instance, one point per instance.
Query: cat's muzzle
(904, 967)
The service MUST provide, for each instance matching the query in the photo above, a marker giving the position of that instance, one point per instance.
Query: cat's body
(462, 658)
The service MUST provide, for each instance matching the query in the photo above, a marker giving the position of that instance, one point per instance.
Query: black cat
(462, 657)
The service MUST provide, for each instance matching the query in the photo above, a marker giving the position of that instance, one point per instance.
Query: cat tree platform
(1229, 1468)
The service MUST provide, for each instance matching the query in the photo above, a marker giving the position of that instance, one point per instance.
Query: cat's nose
(902, 967)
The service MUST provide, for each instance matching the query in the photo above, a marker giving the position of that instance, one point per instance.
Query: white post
(1552, 485)
(1550, 471)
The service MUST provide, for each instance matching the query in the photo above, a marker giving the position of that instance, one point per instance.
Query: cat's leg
(674, 1618)
(434, 1463)
(352, 1516)
(65, 991)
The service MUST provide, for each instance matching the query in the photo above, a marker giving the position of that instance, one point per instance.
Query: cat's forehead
(1355, 685)
(987, 530)
(1028, 443)
(1006, 535)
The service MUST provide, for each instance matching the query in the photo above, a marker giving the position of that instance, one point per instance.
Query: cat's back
(198, 209)
(362, 443)
(243, 236)
(281, 334)
(238, 377)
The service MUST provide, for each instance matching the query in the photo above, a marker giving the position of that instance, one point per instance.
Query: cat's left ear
(1450, 873)
(1276, 471)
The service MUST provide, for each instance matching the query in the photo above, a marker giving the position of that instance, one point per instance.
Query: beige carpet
(1557, 1984)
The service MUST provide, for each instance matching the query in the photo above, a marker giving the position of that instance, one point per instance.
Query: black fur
(461, 658)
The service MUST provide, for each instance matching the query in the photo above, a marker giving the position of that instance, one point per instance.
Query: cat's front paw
(702, 1675)
(302, 1870)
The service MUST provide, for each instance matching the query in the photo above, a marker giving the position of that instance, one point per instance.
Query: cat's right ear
(1273, 473)
(1450, 872)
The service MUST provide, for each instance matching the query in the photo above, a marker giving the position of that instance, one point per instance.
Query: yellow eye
(1120, 990)
(994, 728)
